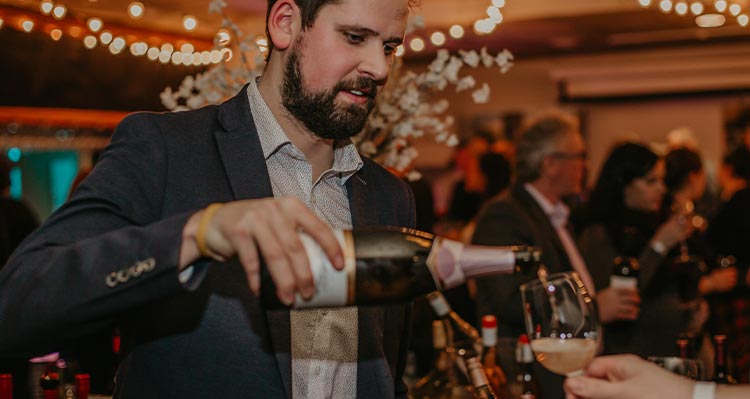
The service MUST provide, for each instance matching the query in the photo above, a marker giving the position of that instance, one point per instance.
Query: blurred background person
(624, 220)
(729, 235)
(550, 159)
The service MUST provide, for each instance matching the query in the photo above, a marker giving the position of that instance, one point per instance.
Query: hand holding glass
(561, 323)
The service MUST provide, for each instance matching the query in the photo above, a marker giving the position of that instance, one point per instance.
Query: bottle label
(331, 286)
(623, 282)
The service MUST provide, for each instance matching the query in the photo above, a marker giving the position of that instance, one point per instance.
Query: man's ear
(281, 23)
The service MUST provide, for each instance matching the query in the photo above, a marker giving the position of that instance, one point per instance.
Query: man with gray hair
(550, 161)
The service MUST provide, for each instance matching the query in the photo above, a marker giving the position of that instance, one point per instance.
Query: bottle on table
(721, 366)
(482, 389)
(526, 385)
(495, 374)
(6, 386)
(459, 333)
(49, 382)
(394, 265)
(445, 380)
(83, 386)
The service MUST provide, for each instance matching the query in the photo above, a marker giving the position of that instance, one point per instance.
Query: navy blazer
(517, 219)
(111, 252)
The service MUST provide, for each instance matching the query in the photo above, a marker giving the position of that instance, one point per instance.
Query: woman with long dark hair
(624, 220)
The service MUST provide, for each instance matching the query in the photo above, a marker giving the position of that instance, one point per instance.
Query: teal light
(14, 154)
(16, 190)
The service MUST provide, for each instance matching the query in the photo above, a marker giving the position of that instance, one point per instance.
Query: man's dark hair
(739, 160)
(680, 163)
(309, 10)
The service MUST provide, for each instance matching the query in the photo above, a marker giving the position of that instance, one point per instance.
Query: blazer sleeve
(401, 390)
(105, 251)
(502, 223)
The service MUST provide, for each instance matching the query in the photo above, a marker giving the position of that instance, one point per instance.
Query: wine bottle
(683, 348)
(459, 333)
(445, 380)
(721, 368)
(525, 379)
(482, 389)
(625, 273)
(6, 386)
(392, 265)
(49, 381)
(83, 386)
(495, 374)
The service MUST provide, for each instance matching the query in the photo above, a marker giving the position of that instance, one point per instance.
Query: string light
(187, 48)
(105, 37)
(456, 31)
(438, 38)
(1, 23)
(56, 34)
(136, 9)
(27, 25)
(89, 41)
(189, 23)
(46, 7)
(94, 24)
(699, 9)
(59, 11)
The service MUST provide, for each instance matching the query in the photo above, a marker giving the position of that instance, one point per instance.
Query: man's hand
(627, 377)
(618, 304)
(265, 227)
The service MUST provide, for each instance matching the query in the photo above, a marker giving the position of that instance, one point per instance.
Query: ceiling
(530, 27)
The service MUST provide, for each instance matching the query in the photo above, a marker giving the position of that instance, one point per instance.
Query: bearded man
(167, 234)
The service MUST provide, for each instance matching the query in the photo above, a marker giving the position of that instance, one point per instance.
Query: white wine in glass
(561, 322)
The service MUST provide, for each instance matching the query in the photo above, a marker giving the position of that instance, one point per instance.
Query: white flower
(451, 70)
(471, 58)
(504, 60)
(487, 60)
(438, 63)
(466, 83)
(168, 99)
(216, 6)
(452, 141)
(481, 95)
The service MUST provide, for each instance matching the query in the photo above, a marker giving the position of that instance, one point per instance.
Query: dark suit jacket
(208, 338)
(517, 219)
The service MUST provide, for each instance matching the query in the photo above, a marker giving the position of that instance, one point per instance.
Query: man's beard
(318, 112)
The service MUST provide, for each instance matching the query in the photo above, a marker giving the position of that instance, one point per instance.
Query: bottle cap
(489, 330)
(489, 321)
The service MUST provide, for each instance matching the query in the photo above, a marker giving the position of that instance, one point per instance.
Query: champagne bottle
(495, 374)
(721, 368)
(459, 333)
(525, 380)
(392, 265)
(6, 386)
(445, 380)
(482, 389)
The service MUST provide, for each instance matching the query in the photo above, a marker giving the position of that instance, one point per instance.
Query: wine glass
(561, 322)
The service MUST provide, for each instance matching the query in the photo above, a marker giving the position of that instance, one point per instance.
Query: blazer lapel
(245, 166)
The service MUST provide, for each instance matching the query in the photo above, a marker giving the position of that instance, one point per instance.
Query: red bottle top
(489, 321)
(6, 386)
(83, 385)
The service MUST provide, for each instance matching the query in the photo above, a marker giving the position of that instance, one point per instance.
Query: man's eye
(389, 49)
(354, 38)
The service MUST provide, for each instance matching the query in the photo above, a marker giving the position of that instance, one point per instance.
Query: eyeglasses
(566, 155)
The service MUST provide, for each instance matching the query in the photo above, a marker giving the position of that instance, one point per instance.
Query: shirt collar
(557, 213)
(346, 159)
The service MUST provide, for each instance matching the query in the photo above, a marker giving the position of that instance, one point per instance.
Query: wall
(531, 87)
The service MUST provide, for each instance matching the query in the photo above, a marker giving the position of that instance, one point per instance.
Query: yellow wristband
(200, 236)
